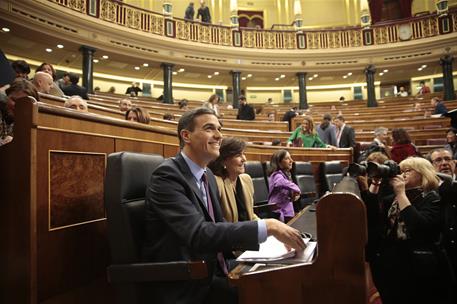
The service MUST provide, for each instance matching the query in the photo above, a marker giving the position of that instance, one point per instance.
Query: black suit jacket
(74, 89)
(347, 139)
(178, 227)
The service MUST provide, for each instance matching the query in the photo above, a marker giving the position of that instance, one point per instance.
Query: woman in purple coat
(282, 191)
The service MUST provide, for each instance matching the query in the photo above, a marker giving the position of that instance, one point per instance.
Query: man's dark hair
(340, 117)
(187, 121)
(230, 147)
(422, 82)
(453, 130)
(74, 78)
(25, 86)
(241, 97)
(20, 66)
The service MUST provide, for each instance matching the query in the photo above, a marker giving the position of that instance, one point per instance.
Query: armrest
(266, 207)
(146, 272)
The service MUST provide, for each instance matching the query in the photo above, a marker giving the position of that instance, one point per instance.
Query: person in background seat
(137, 114)
(76, 103)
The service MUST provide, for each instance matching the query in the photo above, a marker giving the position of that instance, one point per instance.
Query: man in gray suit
(184, 218)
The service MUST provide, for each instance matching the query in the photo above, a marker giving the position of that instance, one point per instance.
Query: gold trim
(49, 188)
(105, 135)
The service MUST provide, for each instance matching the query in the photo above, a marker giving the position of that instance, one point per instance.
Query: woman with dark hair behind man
(402, 147)
(236, 190)
(48, 68)
(282, 191)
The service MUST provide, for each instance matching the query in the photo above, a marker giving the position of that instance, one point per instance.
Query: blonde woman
(306, 136)
(403, 230)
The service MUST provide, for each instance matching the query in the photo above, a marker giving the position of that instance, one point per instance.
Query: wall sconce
(168, 10)
(441, 7)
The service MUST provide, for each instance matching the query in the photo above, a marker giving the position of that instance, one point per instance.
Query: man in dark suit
(345, 135)
(246, 111)
(74, 88)
(184, 218)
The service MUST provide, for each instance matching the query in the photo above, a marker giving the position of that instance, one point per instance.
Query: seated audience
(276, 142)
(282, 190)
(306, 136)
(213, 103)
(326, 130)
(18, 89)
(404, 229)
(125, 104)
(74, 88)
(424, 89)
(345, 135)
(451, 138)
(133, 89)
(402, 147)
(438, 105)
(402, 92)
(342, 99)
(43, 82)
(75, 102)
(22, 68)
(138, 114)
(48, 68)
(246, 111)
(96, 90)
(112, 90)
(168, 116)
(289, 115)
(236, 190)
(183, 218)
(183, 104)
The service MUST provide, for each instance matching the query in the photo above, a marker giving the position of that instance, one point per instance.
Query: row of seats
(330, 173)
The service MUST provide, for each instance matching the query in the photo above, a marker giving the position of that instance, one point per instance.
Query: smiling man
(184, 219)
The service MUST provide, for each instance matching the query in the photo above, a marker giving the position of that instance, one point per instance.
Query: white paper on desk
(270, 251)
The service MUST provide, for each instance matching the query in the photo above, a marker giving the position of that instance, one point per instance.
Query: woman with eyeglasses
(407, 264)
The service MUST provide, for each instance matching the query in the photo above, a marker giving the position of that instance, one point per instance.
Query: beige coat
(228, 201)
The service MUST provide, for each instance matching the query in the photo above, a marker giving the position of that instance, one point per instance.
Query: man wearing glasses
(444, 163)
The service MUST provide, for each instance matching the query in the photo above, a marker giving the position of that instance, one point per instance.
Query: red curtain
(375, 10)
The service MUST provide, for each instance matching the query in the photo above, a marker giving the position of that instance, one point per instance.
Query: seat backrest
(256, 170)
(330, 173)
(302, 175)
(127, 176)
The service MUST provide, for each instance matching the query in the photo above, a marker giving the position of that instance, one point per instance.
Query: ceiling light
(350, 73)
(60, 46)
(386, 70)
(137, 68)
(424, 66)
(282, 76)
(315, 75)
(5, 29)
(345, 76)
(95, 60)
(310, 78)
(216, 73)
(419, 69)
(105, 57)
(145, 64)
(48, 50)
(243, 78)
(249, 75)
(210, 76)
(380, 74)
(276, 79)
(181, 70)
(175, 73)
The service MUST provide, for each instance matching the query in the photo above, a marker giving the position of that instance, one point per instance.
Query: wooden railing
(155, 23)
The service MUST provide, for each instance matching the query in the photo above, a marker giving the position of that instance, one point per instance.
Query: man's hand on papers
(291, 237)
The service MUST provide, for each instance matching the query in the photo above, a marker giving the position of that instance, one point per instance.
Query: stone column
(236, 88)
(88, 67)
(303, 99)
(370, 70)
(167, 82)
(448, 82)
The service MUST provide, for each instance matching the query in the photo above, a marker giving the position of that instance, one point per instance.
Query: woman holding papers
(236, 189)
(282, 191)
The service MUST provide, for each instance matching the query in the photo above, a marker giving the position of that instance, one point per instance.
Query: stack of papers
(272, 250)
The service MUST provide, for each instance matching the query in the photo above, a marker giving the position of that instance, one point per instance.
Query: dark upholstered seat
(127, 176)
(331, 173)
(302, 175)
